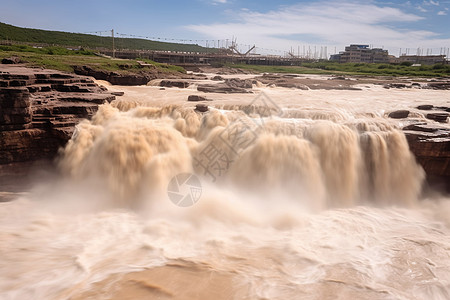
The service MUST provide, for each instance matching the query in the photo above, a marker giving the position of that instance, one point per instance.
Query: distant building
(361, 54)
(423, 60)
(335, 57)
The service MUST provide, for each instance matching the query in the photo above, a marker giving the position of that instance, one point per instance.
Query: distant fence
(197, 58)
(183, 58)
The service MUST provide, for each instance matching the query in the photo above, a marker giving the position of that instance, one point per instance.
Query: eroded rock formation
(430, 144)
(40, 108)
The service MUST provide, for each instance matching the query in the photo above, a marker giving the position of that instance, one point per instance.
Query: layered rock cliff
(40, 108)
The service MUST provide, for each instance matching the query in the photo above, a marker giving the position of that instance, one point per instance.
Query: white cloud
(323, 23)
(431, 2)
(421, 9)
(219, 2)
(442, 13)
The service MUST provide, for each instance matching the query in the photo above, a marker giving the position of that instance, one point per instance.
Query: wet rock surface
(425, 107)
(228, 86)
(442, 84)
(239, 83)
(399, 114)
(439, 85)
(139, 77)
(438, 117)
(305, 83)
(40, 108)
(222, 88)
(174, 83)
(283, 81)
(114, 77)
(201, 107)
(430, 143)
(196, 98)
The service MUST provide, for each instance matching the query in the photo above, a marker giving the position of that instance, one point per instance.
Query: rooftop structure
(361, 54)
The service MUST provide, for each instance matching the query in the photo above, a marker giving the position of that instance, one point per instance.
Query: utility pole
(113, 49)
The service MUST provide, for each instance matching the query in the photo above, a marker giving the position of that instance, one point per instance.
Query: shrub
(439, 66)
(406, 63)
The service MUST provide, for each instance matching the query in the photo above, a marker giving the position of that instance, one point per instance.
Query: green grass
(62, 59)
(53, 50)
(437, 70)
(89, 41)
(163, 66)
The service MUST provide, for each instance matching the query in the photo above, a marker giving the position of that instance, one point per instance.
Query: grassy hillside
(60, 58)
(19, 34)
(437, 70)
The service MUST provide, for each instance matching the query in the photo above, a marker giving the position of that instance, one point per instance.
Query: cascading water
(298, 205)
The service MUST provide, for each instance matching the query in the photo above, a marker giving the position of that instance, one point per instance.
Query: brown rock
(174, 83)
(423, 127)
(425, 107)
(11, 60)
(431, 147)
(439, 85)
(399, 114)
(14, 97)
(113, 77)
(15, 108)
(444, 108)
(197, 98)
(221, 88)
(201, 108)
(398, 85)
(239, 83)
(35, 125)
(438, 117)
(118, 79)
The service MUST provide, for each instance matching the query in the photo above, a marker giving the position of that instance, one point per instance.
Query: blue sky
(270, 25)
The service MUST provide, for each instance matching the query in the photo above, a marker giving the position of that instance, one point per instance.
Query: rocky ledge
(139, 77)
(40, 108)
(430, 142)
(228, 86)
